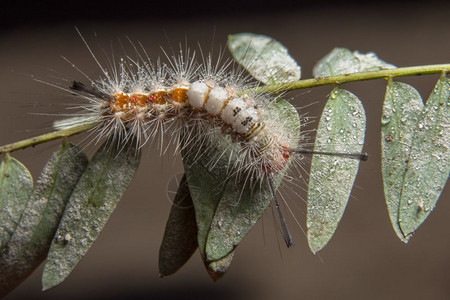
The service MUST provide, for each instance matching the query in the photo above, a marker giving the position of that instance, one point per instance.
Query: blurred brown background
(364, 260)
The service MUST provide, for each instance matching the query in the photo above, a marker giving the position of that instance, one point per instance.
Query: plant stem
(46, 138)
(290, 86)
(339, 79)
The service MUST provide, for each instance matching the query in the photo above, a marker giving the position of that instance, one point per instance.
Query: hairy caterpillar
(197, 104)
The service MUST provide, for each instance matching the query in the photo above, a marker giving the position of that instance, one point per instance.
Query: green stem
(46, 138)
(339, 79)
(301, 84)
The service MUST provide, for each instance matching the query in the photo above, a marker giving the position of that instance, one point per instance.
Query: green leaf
(237, 212)
(206, 189)
(401, 110)
(16, 185)
(428, 166)
(341, 130)
(216, 269)
(241, 206)
(93, 200)
(264, 58)
(343, 61)
(226, 208)
(180, 236)
(31, 240)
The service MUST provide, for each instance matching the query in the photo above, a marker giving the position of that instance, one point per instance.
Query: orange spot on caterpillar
(120, 102)
(158, 97)
(179, 95)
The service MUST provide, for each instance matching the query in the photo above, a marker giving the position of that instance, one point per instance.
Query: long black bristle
(81, 87)
(284, 227)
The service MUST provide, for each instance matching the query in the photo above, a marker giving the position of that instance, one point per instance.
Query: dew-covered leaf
(241, 206)
(341, 130)
(206, 190)
(31, 240)
(16, 185)
(206, 193)
(401, 109)
(93, 200)
(342, 61)
(237, 212)
(226, 208)
(264, 58)
(180, 236)
(428, 166)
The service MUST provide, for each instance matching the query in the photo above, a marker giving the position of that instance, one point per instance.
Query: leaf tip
(215, 275)
(403, 238)
(315, 247)
(48, 283)
(315, 243)
(52, 276)
(217, 268)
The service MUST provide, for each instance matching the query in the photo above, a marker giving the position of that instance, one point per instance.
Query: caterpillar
(198, 103)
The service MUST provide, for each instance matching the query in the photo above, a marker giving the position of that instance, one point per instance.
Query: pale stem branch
(46, 138)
